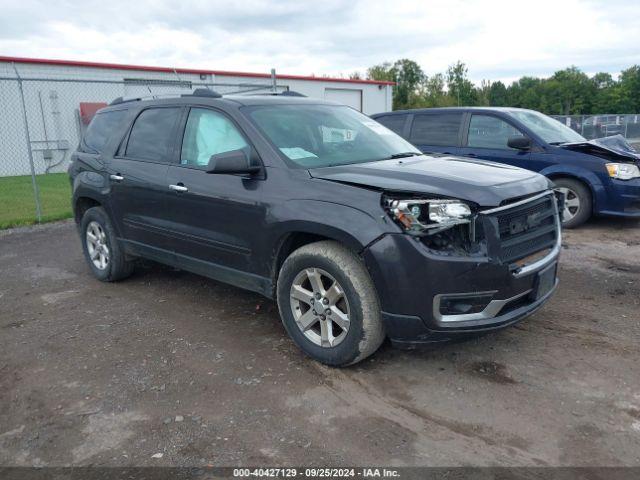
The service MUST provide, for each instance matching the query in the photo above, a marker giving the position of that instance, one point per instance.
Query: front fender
(352, 227)
(586, 176)
(349, 225)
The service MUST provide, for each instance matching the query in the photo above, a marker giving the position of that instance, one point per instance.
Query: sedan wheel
(320, 307)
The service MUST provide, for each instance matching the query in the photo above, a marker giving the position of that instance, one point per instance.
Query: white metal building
(60, 96)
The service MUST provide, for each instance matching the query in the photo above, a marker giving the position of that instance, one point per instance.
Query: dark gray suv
(355, 233)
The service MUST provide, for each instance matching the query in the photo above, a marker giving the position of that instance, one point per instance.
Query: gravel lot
(174, 364)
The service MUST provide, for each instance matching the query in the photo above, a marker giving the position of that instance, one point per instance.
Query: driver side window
(208, 133)
(486, 131)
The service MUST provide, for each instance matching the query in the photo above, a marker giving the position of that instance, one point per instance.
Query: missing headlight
(445, 226)
(428, 216)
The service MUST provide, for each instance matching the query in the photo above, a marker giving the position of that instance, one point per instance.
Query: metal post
(274, 85)
(36, 192)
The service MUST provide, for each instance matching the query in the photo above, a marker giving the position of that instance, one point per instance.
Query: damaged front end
(516, 233)
(625, 161)
(614, 147)
(460, 268)
(444, 225)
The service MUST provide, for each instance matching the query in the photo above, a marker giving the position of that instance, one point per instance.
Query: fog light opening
(461, 305)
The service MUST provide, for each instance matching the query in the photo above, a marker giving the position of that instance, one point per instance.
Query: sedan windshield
(547, 128)
(312, 136)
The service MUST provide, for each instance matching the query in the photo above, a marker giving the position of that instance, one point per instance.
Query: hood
(482, 182)
(614, 148)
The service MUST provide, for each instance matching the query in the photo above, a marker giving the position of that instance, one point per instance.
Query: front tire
(102, 251)
(578, 204)
(328, 304)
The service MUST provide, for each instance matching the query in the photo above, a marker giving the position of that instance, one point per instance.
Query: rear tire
(315, 317)
(578, 203)
(102, 250)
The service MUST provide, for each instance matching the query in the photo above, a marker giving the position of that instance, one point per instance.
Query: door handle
(116, 178)
(178, 188)
(472, 155)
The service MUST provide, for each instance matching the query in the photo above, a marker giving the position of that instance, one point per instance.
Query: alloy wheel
(97, 245)
(320, 307)
(571, 204)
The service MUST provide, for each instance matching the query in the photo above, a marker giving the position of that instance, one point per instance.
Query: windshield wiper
(403, 155)
(557, 143)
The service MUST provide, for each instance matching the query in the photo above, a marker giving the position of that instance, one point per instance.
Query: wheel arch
(586, 178)
(304, 234)
(83, 203)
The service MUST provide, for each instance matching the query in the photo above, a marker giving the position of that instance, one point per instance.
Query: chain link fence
(598, 126)
(42, 121)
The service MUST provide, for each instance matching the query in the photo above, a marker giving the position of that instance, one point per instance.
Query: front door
(216, 218)
(138, 177)
(487, 139)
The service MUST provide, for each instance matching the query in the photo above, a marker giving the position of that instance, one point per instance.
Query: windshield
(550, 130)
(312, 136)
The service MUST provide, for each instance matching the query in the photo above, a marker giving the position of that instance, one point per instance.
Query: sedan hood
(482, 182)
(615, 148)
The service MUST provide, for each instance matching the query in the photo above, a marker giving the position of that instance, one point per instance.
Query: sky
(498, 40)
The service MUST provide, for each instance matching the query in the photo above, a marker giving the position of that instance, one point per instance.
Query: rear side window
(101, 128)
(436, 129)
(395, 123)
(152, 133)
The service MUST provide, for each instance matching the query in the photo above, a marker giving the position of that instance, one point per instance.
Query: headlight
(426, 217)
(623, 171)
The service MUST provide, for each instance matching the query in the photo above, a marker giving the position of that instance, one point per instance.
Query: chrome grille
(525, 227)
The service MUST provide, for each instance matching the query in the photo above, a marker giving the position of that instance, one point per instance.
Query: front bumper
(411, 279)
(621, 199)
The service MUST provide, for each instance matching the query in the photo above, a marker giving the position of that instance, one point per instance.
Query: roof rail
(286, 93)
(291, 93)
(198, 92)
(204, 92)
(118, 100)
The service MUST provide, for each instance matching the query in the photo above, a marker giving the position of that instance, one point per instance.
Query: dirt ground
(174, 364)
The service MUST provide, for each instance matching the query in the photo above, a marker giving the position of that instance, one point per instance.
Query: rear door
(486, 137)
(138, 176)
(215, 218)
(437, 132)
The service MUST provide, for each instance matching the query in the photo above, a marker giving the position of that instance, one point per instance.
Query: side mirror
(519, 142)
(235, 161)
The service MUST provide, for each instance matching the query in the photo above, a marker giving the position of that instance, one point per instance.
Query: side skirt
(231, 276)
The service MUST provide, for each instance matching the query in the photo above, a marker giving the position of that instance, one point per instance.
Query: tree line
(566, 92)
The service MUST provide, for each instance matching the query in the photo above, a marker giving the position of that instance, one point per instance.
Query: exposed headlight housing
(426, 217)
(623, 171)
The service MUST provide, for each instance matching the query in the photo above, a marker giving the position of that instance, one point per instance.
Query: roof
(118, 66)
(250, 100)
(230, 100)
(448, 109)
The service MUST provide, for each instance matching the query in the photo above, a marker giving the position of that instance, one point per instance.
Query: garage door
(353, 98)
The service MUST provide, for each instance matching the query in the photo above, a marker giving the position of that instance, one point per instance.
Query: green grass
(17, 204)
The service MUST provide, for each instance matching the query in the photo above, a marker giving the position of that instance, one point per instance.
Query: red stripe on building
(117, 66)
